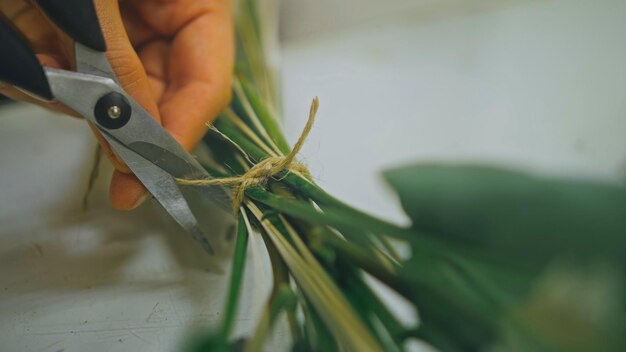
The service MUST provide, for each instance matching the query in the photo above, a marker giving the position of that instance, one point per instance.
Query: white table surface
(540, 84)
(101, 280)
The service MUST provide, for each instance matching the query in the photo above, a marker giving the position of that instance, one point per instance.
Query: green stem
(282, 299)
(342, 219)
(363, 260)
(322, 198)
(269, 122)
(395, 328)
(319, 337)
(230, 130)
(236, 278)
(337, 214)
(281, 279)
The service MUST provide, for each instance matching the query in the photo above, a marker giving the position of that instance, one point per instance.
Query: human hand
(174, 57)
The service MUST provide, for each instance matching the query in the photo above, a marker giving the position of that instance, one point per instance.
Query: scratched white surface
(99, 281)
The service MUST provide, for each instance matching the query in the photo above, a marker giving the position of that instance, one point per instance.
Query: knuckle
(224, 97)
(127, 68)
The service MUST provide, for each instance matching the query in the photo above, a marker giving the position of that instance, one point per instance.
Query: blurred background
(538, 84)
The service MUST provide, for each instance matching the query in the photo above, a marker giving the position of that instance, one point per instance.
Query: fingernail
(140, 200)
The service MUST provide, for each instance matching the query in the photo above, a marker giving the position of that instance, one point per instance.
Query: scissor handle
(19, 65)
(78, 19)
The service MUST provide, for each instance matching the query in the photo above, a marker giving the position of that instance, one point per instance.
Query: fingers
(187, 49)
(126, 192)
(154, 57)
(194, 40)
(52, 48)
(33, 25)
(199, 77)
(122, 56)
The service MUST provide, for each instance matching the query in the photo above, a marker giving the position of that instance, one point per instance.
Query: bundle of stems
(488, 247)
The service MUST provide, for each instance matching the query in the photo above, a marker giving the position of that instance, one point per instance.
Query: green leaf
(514, 214)
(224, 154)
(336, 217)
(213, 343)
(236, 279)
(320, 338)
(461, 301)
(228, 129)
(269, 122)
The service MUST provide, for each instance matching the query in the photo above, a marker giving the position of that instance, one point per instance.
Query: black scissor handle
(19, 65)
(78, 19)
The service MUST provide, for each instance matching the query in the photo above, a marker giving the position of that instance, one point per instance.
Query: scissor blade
(184, 169)
(141, 133)
(150, 152)
(165, 190)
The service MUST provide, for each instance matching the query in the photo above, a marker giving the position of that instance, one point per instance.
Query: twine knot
(267, 168)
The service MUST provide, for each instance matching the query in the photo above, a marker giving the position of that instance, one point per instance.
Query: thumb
(126, 192)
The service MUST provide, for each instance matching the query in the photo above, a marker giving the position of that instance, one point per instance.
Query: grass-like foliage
(499, 260)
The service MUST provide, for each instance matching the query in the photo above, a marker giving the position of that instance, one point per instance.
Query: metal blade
(142, 133)
(185, 170)
(185, 208)
(150, 152)
(92, 62)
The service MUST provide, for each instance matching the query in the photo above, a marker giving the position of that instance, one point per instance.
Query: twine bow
(265, 169)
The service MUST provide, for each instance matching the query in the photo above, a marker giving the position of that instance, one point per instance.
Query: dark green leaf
(514, 214)
(236, 277)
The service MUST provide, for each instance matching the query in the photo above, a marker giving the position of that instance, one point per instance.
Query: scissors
(93, 91)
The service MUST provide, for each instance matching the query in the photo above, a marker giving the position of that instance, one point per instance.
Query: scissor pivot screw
(112, 111)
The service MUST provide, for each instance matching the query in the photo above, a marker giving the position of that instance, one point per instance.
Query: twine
(265, 169)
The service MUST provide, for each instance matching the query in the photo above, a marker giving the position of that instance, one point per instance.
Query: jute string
(265, 169)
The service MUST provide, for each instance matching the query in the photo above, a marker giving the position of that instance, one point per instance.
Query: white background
(539, 85)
